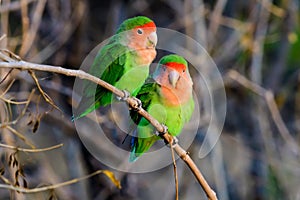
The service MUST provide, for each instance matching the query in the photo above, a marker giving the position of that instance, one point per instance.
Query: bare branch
(52, 187)
(20, 135)
(13, 6)
(30, 150)
(44, 94)
(175, 173)
(269, 98)
(22, 65)
(28, 37)
(22, 112)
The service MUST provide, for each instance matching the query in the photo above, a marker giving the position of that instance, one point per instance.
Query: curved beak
(173, 77)
(152, 39)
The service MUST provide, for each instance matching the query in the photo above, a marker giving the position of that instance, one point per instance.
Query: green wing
(173, 117)
(145, 94)
(143, 141)
(109, 66)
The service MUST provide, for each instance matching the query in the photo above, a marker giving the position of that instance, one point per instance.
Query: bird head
(139, 32)
(173, 76)
(171, 71)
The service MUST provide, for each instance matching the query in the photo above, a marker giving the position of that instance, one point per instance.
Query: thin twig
(175, 173)
(25, 25)
(131, 102)
(7, 88)
(214, 25)
(22, 113)
(30, 150)
(258, 43)
(272, 8)
(4, 20)
(62, 37)
(44, 94)
(19, 135)
(13, 6)
(5, 77)
(13, 102)
(31, 34)
(52, 187)
(269, 98)
(8, 56)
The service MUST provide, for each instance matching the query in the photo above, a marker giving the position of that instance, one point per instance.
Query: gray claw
(125, 97)
(174, 143)
(165, 129)
(138, 104)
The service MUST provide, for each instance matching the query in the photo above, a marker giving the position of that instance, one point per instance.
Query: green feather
(173, 117)
(114, 64)
(173, 58)
(133, 22)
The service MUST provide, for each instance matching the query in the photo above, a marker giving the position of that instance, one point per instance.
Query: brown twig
(272, 8)
(25, 24)
(30, 150)
(69, 24)
(5, 77)
(22, 112)
(269, 98)
(258, 43)
(52, 187)
(216, 16)
(13, 6)
(131, 102)
(175, 173)
(20, 135)
(29, 36)
(44, 94)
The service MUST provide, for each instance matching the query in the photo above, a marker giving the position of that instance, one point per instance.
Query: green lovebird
(168, 97)
(123, 62)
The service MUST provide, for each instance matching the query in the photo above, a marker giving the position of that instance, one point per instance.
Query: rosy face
(176, 83)
(143, 40)
(142, 37)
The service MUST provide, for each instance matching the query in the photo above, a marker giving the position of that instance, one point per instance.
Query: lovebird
(123, 62)
(168, 96)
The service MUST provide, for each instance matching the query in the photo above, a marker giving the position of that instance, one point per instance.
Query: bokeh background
(256, 47)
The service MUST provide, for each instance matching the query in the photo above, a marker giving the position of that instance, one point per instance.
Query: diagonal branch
(132, 102)
(271, 104)
(44, 94)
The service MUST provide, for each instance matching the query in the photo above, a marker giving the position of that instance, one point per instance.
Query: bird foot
(125, 97)
(165, 130)
(138, 104)
(174, 142)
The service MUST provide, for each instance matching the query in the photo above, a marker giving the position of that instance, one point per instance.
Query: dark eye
(140, 31)
(183, 70)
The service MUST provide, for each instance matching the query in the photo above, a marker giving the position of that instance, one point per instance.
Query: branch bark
(23, 65)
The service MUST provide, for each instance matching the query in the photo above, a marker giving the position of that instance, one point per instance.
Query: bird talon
(165, 129)
(138, 104)
(125, 97)
(174, 142)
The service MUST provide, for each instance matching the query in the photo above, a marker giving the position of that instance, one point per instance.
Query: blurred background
(256, 47)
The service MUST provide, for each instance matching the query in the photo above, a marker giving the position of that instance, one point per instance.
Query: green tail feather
(140, 146)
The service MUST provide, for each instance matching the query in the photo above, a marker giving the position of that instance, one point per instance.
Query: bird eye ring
(140, 31)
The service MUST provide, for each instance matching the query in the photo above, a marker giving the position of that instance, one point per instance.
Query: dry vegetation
(255, 45)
